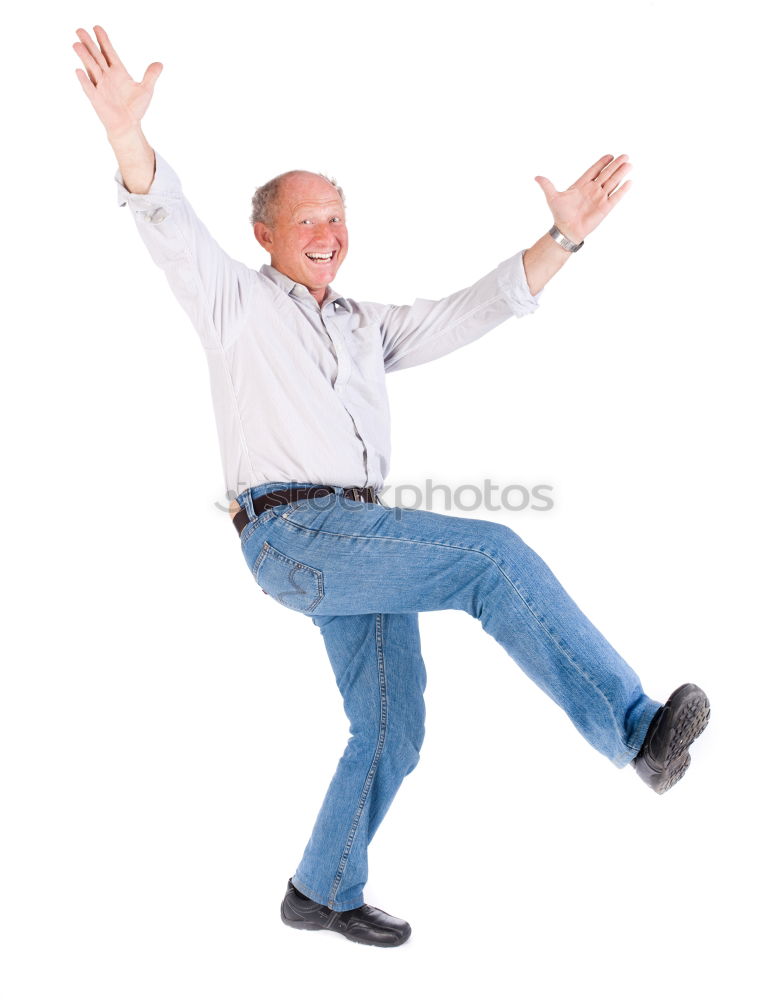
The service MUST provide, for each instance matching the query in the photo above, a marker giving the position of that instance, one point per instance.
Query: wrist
(569, 230)
(127, 137)
(564, 239)
(135, 158)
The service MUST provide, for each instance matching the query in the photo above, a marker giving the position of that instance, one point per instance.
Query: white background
(167, 730)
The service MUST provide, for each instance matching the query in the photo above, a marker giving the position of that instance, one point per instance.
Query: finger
(94, 71)
(107, 48)
(609, 172)
(86, 84)
(618, 194)
(546, 186)
(594, 170)
(92, 48)
(616, 178)
(152, 73)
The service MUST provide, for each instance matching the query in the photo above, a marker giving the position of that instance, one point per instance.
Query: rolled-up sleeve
(211, 287)
(428, 329)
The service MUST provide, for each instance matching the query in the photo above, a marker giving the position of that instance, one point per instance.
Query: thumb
(150, 77)
(546, 186)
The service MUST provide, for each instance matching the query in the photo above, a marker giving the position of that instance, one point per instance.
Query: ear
(264, 235)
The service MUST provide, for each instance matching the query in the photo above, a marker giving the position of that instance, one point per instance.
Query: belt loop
(248, 501)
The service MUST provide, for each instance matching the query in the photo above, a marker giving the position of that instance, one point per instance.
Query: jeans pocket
(291, 583)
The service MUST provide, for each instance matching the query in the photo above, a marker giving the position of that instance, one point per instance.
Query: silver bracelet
(564, 242)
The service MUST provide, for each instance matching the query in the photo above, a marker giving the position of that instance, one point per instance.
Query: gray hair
(265, 198)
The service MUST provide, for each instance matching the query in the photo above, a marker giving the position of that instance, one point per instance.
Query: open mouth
(320, 257)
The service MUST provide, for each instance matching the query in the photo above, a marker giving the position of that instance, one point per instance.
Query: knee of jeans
(411, 757)
(508, 553)
(406, 742)
(401, 746)
(399, 757)
(501, 539)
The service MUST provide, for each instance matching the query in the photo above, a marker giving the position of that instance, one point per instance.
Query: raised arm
(413, 335)
(120, 102)
(213, 289)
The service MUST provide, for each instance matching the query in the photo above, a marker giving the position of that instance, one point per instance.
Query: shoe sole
(690, 711)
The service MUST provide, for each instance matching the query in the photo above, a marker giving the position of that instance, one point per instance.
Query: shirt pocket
(367, 358)
(292, 584)
(365, 393)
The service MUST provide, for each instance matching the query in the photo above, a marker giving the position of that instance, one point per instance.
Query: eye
(306, 222)
(336, 219)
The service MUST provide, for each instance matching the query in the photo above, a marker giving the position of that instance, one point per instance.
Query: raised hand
(583, 206)
(118, 100)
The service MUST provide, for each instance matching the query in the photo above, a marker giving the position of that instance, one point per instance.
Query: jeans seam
(563, 649)
(539, 621)
(383, 720)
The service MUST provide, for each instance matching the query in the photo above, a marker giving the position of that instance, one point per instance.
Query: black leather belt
(267, 500)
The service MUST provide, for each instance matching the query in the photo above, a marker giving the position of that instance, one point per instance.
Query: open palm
(582, 206)
(118, 100)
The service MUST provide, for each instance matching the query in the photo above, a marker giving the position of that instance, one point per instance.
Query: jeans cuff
(316, 897)
(638, 735)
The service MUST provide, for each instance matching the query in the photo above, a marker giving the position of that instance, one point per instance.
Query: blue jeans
(362, 572)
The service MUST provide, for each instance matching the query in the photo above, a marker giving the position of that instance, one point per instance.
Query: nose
(324, 234)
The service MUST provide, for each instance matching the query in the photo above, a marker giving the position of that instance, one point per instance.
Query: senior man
(297, 377)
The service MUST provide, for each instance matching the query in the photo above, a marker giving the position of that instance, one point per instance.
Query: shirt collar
(299, 291)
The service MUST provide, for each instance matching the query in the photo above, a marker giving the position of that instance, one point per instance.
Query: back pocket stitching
(293, 567)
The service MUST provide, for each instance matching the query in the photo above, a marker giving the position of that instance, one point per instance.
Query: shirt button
(158, 215)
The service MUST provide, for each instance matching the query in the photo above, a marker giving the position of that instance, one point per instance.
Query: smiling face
(307, 240)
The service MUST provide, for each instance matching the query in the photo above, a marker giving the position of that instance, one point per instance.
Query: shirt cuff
(165, 186)
(514, 285)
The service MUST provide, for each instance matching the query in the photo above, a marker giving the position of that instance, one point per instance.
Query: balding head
(266, 199)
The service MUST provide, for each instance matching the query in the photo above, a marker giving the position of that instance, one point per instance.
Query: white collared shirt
(298, 389)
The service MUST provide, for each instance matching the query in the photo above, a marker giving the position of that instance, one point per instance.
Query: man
(297, 377)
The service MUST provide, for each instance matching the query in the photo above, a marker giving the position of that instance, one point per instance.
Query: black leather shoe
(365, 924)
(664, 757)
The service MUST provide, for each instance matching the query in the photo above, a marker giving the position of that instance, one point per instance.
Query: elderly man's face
(308, 240)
